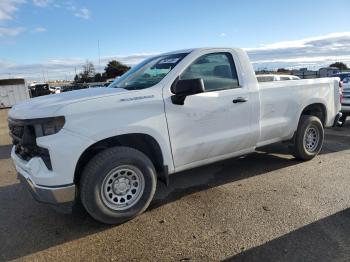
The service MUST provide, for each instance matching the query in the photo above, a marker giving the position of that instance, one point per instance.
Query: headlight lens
(49, 126)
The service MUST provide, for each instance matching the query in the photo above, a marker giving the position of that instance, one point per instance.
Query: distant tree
(339, 65)
(283, 70)
(98, 77)
(76, 78)
(88, 72)
(114, 69)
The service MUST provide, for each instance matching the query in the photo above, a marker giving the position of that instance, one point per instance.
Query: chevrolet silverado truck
(107, 147)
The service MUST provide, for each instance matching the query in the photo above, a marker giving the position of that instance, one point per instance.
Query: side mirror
(184, 88)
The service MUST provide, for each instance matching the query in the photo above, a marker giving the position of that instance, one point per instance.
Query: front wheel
(117, 185)
(308, 139)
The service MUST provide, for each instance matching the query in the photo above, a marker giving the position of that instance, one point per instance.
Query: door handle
(239, 100)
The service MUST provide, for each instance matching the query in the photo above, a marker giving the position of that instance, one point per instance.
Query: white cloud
(5, 63)
(83, 13)
(10, 31)
(129, 60)
(312, 52)
(223, 34)
(61, 68)
(42, 3)
(8, 8)
(316, 51)
(39, 29)
(71, 7)
(307, 42)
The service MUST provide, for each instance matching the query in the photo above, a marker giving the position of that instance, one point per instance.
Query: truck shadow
(324, 240)
(214, 175)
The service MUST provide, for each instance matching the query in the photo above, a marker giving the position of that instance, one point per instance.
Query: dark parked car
(39, 90)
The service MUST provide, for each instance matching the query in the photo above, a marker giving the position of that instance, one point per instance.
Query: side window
(217, 70)
(283, 78)
(265, 78)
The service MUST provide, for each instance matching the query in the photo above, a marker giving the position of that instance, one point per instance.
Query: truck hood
(46, 106)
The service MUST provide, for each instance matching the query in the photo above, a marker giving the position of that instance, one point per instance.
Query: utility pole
(99, 55)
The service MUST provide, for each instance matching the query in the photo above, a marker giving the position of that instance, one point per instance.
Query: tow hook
(337, 121)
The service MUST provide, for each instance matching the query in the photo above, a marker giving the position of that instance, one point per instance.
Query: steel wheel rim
(311, 138)
(122, 187)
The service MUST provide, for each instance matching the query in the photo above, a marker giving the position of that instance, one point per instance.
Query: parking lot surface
(262, 207)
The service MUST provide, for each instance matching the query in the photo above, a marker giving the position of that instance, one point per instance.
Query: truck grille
(16, 130)
(24, 140)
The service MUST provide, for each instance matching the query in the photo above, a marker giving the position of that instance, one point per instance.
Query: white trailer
(12, 91)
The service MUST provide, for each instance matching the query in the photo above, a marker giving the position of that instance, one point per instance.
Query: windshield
(148, 73)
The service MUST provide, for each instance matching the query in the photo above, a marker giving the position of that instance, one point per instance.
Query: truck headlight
(48, 126)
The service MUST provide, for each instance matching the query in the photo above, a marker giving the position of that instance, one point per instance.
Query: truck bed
(282, 102)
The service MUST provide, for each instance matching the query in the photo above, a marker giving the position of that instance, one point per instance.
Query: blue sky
(53, 36)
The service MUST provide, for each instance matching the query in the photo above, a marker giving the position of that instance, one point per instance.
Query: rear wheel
(117, 185)
(308, 139)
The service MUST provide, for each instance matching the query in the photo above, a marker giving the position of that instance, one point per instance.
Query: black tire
(301, 149)
(99, 168)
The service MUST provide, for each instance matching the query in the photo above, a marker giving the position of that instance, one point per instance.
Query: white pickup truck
(107, 147)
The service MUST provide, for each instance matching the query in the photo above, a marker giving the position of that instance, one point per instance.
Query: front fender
(116, 115)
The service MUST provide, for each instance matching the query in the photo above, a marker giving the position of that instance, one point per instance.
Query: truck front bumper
(49, 195)
(56, 195)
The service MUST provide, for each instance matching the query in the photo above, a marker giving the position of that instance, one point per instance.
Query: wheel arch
(316, 109)
(140, 141)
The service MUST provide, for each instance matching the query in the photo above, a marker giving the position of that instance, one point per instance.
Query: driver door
(215, 123)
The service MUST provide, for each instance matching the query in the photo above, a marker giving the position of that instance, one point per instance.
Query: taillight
(341, 91)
